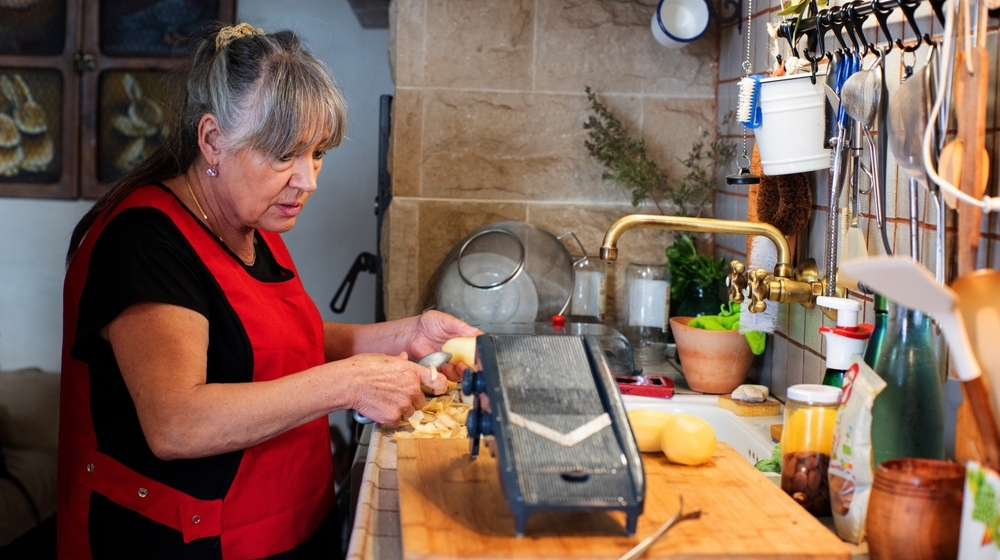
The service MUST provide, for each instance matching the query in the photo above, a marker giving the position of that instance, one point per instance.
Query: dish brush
(764, 255)
(748, 108)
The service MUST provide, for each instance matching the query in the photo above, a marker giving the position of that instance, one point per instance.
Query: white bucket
(793, 125)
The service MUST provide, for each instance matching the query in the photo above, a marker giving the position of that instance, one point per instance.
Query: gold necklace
(253, 259)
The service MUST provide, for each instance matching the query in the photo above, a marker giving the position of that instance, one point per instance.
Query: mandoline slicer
(560, 433)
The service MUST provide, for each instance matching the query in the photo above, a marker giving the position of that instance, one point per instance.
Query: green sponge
(728, 319)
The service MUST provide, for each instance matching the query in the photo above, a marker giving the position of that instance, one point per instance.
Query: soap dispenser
(847, 338)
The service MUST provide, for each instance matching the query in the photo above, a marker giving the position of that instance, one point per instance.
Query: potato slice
(462, 350)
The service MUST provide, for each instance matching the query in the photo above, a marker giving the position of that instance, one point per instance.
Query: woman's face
(268, 192)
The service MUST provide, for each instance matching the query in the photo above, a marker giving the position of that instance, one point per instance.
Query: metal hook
(909, 11)
(883, 23)
(786, 30)
(844, 16)
(938, 6)
(833, 21)
(857, 21)
(809, 52)
(822, 26)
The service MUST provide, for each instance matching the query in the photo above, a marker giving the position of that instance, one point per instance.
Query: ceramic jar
(915, 511)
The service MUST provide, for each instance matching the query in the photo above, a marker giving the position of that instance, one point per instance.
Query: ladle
(860, 96)
(907, 120)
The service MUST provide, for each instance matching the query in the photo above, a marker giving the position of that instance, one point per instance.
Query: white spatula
(906, 282)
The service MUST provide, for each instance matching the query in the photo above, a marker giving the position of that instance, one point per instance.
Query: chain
(747, 69)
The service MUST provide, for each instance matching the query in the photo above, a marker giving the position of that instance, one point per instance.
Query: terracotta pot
(915, 511)
(714, 362)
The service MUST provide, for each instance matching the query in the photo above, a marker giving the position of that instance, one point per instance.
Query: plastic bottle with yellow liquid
(806, 443)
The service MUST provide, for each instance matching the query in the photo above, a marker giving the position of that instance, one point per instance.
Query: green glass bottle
(877, 339)
(908, 415)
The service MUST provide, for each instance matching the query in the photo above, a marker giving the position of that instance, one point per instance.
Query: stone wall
(488, 120)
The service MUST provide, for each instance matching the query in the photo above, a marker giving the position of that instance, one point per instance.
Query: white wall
(336, 225)
(34, 235)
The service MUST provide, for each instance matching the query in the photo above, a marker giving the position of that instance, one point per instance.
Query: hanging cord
(988, 203)
(748, 103)
(747, 68)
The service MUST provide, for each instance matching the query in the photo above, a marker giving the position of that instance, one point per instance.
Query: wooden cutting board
(451, 507)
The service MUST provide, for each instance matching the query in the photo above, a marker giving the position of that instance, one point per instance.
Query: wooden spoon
(971, 93)
(979, 299)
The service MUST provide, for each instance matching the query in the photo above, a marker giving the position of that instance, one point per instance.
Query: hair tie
(227, 34)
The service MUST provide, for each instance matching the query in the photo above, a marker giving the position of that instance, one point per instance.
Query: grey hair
(268, 94)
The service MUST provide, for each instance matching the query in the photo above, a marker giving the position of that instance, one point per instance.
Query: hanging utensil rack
(849, 18)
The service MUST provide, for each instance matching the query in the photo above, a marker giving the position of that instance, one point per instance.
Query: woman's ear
(209, 136)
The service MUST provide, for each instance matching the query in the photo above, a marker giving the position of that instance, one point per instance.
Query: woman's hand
(432, 330)
(387, 388)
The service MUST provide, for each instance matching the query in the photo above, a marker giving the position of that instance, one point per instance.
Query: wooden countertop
(452, 507)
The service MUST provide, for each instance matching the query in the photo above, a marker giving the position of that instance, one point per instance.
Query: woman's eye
(286, 157)
(318, 154)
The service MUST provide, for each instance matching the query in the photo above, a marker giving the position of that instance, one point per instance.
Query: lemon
(687, 440)
(647, 424)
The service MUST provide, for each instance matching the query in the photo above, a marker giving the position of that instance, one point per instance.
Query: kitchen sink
(750, 436)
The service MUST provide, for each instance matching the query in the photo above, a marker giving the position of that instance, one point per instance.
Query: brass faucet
(784, 285)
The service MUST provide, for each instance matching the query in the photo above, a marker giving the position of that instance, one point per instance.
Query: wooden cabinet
(87, 87)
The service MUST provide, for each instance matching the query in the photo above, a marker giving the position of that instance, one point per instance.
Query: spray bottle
(847, 338)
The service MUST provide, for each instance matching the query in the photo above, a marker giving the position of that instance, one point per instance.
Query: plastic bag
(851, 471)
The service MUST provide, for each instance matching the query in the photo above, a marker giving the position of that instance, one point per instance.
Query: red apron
(283, 488)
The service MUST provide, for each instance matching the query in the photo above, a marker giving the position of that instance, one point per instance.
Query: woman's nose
(304, 174)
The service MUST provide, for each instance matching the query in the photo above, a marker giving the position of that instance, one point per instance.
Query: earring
(212, 172)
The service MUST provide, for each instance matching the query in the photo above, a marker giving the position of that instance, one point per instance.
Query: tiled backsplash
(487, 126)
(488, 120)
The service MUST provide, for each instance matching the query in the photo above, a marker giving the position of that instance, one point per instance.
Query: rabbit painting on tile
(141, 124)
(31, 126)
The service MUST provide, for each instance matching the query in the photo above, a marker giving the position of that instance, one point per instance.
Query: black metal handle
(366, 262)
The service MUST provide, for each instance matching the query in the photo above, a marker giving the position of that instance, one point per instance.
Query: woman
(197, 373)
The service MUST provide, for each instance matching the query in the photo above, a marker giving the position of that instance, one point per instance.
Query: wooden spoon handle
(971, 92)
(982, 412)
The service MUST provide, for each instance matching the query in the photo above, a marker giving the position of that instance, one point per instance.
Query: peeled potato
(647, 424)
(462, 350)
(687, 440)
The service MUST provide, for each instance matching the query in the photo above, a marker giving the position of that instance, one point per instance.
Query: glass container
(806, 442)
(647, 305)
(589, 288)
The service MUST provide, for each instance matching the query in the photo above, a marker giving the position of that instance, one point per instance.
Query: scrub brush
(763, 254)
(748, 108)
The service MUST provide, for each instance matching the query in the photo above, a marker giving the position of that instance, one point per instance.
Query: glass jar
(806, 442)
(647, 304)
(589, 288)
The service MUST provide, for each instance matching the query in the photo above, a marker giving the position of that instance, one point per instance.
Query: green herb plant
(627, 163)
(689, 268)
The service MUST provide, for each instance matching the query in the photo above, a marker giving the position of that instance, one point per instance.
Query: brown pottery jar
(915, 510)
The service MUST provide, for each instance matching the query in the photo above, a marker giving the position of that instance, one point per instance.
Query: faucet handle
(760, 289)
(737, 281)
